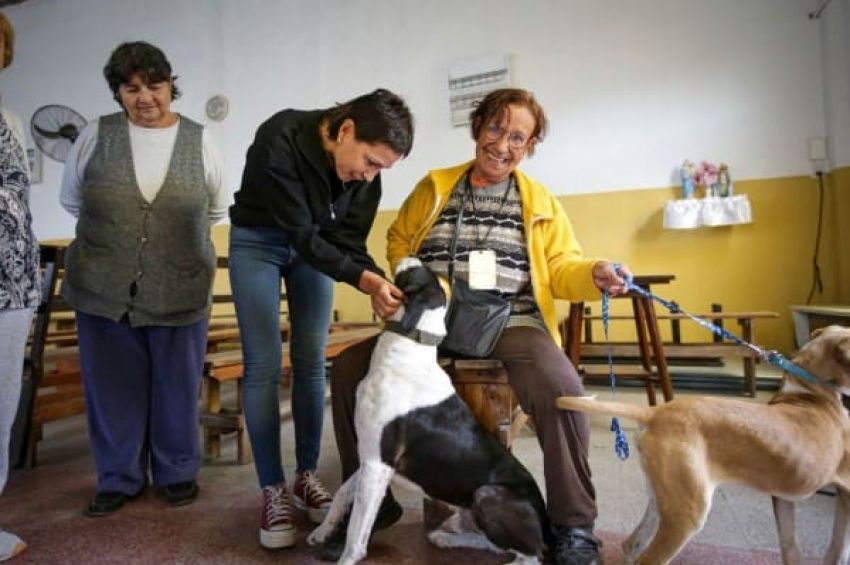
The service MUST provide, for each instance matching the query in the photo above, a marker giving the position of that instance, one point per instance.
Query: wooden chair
(25, 432)
(653, 367)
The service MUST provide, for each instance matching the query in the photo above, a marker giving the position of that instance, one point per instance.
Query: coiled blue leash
(621, 444)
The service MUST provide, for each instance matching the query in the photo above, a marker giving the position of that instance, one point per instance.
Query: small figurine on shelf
(687, 174)
(706, 176)
(724, 181)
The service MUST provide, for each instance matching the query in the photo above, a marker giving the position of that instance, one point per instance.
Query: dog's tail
(640, 414)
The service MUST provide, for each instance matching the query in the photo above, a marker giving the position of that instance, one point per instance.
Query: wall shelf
(689, 213)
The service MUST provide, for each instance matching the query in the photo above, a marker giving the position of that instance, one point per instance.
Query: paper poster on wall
(471, 79)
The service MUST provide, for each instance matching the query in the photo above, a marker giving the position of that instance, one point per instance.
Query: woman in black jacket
(309, 195)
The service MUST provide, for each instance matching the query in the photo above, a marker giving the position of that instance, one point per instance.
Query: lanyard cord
(467, 193)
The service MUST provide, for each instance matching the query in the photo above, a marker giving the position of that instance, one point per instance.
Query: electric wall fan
(55, 128)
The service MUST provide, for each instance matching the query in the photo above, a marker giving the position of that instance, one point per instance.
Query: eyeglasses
(516, 140)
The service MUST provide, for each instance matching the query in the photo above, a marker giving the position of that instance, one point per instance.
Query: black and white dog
(410, 424)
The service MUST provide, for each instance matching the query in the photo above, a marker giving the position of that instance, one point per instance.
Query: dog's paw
(319, 535)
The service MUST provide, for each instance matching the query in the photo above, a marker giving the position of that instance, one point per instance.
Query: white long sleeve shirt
(152, 149)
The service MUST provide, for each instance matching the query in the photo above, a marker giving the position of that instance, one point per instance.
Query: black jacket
(289, 183)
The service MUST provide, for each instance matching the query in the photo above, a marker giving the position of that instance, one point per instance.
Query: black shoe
(179, 494)
(105, 503)
(388, 514)
(575, 546)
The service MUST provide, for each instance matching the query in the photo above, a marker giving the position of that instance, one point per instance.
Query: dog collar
(780, 361)
(425, 338)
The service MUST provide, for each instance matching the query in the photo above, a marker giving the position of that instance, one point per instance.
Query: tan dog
(788, 448)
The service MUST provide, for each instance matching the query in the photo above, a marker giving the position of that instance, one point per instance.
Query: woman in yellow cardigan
(516, 241)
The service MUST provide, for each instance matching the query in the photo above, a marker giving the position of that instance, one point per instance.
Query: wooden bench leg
(649, 384)
(749, 362)
(483, 385)
(244, 454)
(644, 348)
(520, 420)
(212, 436)
(749, 376)
(657, 346)
(573, 337)
(35, 436)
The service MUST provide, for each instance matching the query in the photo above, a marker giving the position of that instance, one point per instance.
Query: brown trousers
(538, 372)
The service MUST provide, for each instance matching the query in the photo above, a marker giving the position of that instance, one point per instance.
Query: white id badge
(482, 269)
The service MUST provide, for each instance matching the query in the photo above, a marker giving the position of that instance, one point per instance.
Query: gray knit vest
(155, 261)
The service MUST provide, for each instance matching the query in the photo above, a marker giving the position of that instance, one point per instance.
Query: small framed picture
(34, 158)
(472, 79)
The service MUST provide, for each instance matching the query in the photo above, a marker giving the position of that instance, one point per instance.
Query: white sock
(10, 545)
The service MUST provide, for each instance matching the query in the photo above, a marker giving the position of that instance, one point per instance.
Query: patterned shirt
(20, 282)
(492, 219)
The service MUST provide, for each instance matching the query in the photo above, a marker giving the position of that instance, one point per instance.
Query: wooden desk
(808, 318)
(649, 337)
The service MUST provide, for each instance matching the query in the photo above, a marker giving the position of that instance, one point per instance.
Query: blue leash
(621, 445)
(771, 356)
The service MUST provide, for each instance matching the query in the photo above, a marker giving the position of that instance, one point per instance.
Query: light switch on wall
(817, 148)
(818, 154)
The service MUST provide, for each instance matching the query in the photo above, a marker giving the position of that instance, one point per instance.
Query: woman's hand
(385, 296)
(605, 277)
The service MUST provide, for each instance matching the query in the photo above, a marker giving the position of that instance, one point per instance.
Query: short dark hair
(138, 57)
(379, 117)
(495, 104)
(8, 41)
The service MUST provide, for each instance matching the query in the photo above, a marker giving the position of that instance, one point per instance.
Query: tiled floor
(44, 506)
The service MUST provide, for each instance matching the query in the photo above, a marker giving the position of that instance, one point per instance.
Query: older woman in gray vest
(19, 278)
(145, 185)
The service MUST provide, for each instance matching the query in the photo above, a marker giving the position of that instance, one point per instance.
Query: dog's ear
(842, 353)
(411, 282)
(816, 332)
(421, 291)
(414, 305)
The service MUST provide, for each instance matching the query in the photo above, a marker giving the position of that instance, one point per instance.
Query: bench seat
(712, 349)
(226, 366)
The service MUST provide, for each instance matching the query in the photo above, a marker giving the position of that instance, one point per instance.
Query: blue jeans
(259, 258)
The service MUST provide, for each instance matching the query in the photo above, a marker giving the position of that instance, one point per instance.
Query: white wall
(835, 42)
(631, 88)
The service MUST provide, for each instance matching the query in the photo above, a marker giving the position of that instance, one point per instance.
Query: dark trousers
(538, 372)
(142, 387)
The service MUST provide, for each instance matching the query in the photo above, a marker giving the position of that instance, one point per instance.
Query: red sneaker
(277, 524)
(309, 494)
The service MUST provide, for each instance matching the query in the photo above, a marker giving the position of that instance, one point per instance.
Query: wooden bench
(217, 420)
(695, 352)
